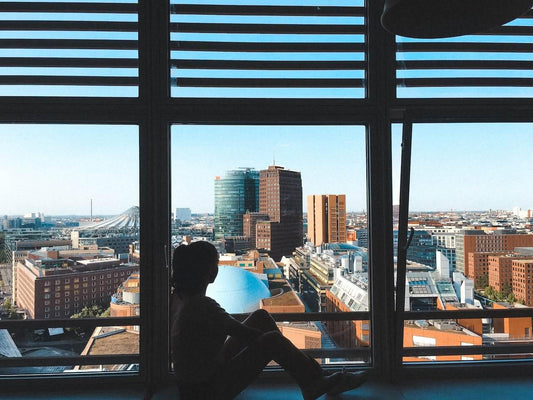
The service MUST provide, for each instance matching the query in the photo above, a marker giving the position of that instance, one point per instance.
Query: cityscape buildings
(183, 214)
(326, 218)
(235, 193)
(57, 284)
(280, 198)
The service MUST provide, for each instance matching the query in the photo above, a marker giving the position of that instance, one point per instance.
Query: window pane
(290, 49)
(70, 241)
(472, 245)
(286, 208)
(498, 63)
(71, 48)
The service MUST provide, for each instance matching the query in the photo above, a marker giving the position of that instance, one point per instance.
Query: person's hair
(191, 265)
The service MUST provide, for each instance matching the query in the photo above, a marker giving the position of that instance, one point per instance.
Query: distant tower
(235, 193)
(326, 218)
(280, 198)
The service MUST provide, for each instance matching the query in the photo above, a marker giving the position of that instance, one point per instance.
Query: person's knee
(261, 314)
(262, 320)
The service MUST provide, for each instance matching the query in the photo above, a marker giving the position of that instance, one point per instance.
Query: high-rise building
(326, 218)
(183, 214)
(235, 193)
(280, 198)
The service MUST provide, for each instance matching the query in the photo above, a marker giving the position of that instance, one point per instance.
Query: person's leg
(242, 369)
(259, 319)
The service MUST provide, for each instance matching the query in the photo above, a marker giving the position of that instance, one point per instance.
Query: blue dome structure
(238, 290)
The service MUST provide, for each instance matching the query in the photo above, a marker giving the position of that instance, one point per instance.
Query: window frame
(154, 111)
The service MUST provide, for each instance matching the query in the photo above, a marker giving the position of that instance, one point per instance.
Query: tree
(3, 258)
(483, 281)
(8, 306)
(92, 312)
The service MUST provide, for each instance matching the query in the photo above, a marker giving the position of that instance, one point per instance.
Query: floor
(471, 389)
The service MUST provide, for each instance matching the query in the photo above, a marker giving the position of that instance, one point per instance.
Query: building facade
(235, 193)
(326, 218)
(280, 198)
(49, 288)
(522, 276)
(469, 241)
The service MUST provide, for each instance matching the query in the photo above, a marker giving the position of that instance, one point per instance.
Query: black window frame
(154, 111)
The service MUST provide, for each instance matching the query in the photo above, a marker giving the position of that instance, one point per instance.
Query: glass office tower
(235, 193)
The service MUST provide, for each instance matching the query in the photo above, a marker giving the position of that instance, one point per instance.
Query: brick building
(280, 198)
(501, 271)
(522, 276)
(326, 218)
(478, 241)
(53, 287)
(479, 265)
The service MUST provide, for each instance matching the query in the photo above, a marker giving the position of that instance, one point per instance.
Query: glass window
(300, 204)
(71, 233)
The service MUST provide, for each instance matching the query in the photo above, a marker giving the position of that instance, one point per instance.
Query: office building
(469, 241)
(235, 193)
(500, 270)
(183, 214)
(54, 285)
(522, 270)
(280, 198)
(249, 226)
(326, 218)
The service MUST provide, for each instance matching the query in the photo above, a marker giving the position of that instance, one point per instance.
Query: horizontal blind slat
(267, 83)
(464, 47)
(69, 62)
(267, 65)
(465, 82)
(266, 47)
(326, 11)
(266, 28)
(465, 64)
(68, 80)
(65, 7)
(68, 26)
(68, 44)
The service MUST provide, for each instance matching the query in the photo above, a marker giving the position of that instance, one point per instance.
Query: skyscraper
(326, 218)
(235, 193)
(280, 198)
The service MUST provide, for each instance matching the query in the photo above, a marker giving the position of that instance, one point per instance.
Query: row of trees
(3, 255)
(506, 294)
(93, 312)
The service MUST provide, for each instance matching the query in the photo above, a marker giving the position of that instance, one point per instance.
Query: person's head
(194, 266)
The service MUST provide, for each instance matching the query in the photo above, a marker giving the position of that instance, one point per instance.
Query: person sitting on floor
(215, 356)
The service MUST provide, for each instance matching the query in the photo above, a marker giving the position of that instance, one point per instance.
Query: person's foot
(322, 385)
(348, 381)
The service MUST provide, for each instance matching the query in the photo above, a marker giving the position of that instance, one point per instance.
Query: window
(237, 206)
(94, 81)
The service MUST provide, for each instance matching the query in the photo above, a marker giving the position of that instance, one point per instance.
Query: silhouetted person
(215, 356)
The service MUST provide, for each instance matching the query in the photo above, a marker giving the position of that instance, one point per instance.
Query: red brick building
(49, 288)
(522, 276)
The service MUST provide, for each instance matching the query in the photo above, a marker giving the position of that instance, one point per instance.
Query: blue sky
(57, 169)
